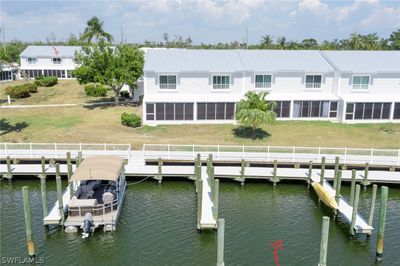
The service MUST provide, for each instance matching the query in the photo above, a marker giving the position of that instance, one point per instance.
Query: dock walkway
(207, 215)
(361, 226)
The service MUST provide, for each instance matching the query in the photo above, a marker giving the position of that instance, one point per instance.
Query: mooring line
(135, 183)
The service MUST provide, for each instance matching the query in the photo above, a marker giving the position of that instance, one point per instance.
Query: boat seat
(85, 192)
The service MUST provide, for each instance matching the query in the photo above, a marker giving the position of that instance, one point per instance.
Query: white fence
(59, 150)
(269, 153)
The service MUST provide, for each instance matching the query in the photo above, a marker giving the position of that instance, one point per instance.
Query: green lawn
(102, 124)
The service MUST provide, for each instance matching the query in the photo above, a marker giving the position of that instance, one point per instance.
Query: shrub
(124, 94)
(30, 87)
(96, 90)
(46, 81)
(131, 120)
(17, 92)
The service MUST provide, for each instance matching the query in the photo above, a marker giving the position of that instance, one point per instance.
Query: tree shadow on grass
(6, 127)
(245, 133)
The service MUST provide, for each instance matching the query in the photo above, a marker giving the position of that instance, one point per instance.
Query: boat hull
(324, 195)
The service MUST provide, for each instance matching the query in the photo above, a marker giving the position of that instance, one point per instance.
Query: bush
(17, 92)
(124, 94)
(131, 120)
(30, 87)
(96, 90)
(46, 81)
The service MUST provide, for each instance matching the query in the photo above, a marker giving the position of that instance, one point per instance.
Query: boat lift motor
(87, 225)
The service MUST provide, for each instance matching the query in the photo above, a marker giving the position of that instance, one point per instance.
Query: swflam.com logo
(22, 260)
(277, 245)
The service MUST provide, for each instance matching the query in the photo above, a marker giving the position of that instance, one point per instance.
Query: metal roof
(50, 51)
(210, 60)
(365, 61)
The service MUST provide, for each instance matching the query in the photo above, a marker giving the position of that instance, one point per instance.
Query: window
(70, 74)
(6, 75)
(363, 111)
(313, 81)
(360, 82)
(396, 113)
(169, 111)
(54, 72)
(263, 81)
(32, 60)
(333, 108)
(215, 111)
(57, 60)
(168, 82)
(220, 82)
(310, 109)
(32, 73)
(282, 109)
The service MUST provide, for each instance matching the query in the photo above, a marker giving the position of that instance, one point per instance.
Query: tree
(112, 66)
(254, 111)
(309, 43)
(266, 42)
(356, 42)
(95, 30)
(281, 42)
(395, 40)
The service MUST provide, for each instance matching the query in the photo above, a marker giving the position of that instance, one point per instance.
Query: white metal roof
(50, 51)
(365, 61)
(225, 61)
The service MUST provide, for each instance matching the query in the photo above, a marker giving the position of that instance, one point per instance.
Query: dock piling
(220, 243)
(337, 160)
(371, 213)
(354, 213)
(43, 191)
(275, 173)
(199, 203)
(322, 176)
(338, 186)
(353, 186)
(365, 180)
(215, 198)
(68, 157)
(43, 163)
(159, 175)
(28, 221)
(9, 169)
(242, 169)
(382, 221)
(59, 194)
(310, 168)
(324, 241)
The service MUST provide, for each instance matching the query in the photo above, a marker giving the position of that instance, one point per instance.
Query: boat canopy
(99, 168)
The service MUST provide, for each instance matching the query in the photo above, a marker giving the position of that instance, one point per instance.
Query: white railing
(360, 86)
(269, 153)
(168, 86)
(263, 85)
(59, 150)
(220, 86)
(313, 85)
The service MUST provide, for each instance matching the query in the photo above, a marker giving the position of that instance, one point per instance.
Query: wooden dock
(54, 216)
(207, 220)
(361, 226)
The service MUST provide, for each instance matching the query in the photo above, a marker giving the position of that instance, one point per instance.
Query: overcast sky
(206, 21)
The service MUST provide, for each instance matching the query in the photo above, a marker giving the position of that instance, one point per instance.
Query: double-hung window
(360, 82)
(220, 82)
(263, 81)
(57, 60)
(313, 81)
(32, 60)
(168, 82)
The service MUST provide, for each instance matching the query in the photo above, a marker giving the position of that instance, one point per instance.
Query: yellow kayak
(323, 194)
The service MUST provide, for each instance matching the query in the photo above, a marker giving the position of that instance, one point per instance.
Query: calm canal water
(158, 227)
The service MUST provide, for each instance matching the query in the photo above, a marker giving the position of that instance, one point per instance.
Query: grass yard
(66, 91)
(103, 125)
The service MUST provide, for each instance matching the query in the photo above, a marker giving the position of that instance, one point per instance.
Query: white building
(56, 61)
(8, 72)
(203, 86)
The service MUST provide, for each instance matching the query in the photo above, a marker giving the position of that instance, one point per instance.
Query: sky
(206, 21)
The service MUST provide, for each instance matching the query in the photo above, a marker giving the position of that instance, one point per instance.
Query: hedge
(131, 120)
(21, 91)
(96, 90)
(46, 81)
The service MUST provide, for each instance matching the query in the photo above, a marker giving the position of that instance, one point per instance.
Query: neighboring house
(56, 61)
(203, 86)
(8, 72)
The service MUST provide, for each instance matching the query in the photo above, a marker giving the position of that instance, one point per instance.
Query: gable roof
(215, 60)
(50, 51)
(365, 61)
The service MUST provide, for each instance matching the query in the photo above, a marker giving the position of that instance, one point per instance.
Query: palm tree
(356, 41)
(95, 30)
(281, 42)
(266, 42)
(254, 111)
